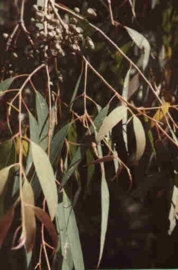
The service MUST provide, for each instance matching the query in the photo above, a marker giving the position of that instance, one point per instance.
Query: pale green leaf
(110, 121)
(142, 43)
(104, 206)
(4, 85)
(57, 143)
(125, 96)
(43, 121)
(73, 234)
(67, 263)
(46, 177)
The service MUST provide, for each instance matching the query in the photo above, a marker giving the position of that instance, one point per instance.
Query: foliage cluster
(88, 114)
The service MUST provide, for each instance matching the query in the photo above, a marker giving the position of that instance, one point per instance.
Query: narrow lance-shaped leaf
(57, 143)
(45, 219)
(28, 216)
(67, 263)
(104, 206)
(73, 234)
(142, 43)
(110, 121)
(34, 137)
(124, 120)
(5, 224)
(46, 177)
(43, 121)
(76, 89)
(139, 136)
(133, 85)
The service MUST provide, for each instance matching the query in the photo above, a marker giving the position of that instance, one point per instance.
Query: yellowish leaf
(161, 112)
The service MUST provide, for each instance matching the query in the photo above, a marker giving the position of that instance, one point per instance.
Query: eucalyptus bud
(78, 30)
(77, 10)
(35, 8)
(5, 35)
(89, 43)
(91, 13)
(73, 20)
(15, 55)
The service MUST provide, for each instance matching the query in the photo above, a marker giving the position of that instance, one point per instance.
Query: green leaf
(67, 263)
(139, 136)
(57, 143)
(43, 122)
(34, 130)
(4, 85)
(100, 117)
(46, 177)
(74, 164)
(76, 89)
(110, 121)
(104, 206)
(81, 150)
(73, 234)
(7, 151)
(125, 96)
(142, 43)
(34, 136)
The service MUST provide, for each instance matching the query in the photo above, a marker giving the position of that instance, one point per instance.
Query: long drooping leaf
(46, 177)
(110, 121)
(133, 85)
(5, 223)
(57, 143)
(67, 263)
(76, 89)
(43, 121)
(124, 120)
(34, 137)
(45, 219)
(28, 216)
(104, 206)
(139, 136)
(73, 234)
(142, 43)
